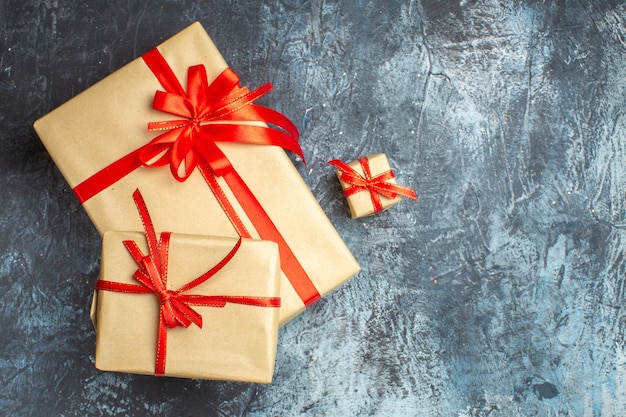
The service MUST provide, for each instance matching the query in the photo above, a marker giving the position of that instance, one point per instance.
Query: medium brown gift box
(108, 121)
(236, 342)
(361, 203)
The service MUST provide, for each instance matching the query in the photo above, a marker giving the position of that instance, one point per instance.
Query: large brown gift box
(236, 342)
(109, 121)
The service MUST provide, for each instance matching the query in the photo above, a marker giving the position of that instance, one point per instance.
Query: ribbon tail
(344, 168)
(393, 190)
(161, 348)
(185, 315)
(147, 225)
(406, 192)
(243, 133)
(277, 122)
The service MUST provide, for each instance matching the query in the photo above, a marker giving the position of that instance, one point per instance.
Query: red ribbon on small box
(211, 113)
(175, 306)
(377, 185)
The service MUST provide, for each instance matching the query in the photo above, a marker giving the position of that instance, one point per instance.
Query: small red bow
(175, 307)
(211, 113)
(377, 185)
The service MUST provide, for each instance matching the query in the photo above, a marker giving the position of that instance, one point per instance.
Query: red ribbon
(175, 307)
(211, 113)
(376, 185)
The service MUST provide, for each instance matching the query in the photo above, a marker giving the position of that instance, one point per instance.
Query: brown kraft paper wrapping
(109, 121)
(236, 342)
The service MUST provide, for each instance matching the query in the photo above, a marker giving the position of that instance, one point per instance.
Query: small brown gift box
(362, 200)
(236, 342)
(108, 122)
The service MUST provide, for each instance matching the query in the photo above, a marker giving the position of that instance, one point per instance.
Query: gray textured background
(501, 293)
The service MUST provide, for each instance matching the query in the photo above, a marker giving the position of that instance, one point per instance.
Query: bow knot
(164, 296)
(152, 275)
(374, 184)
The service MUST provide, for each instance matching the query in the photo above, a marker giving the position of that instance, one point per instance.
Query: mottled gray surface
(501, 293)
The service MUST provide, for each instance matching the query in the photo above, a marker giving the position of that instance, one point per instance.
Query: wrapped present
(187, 305)
(228, 174)
(369, 185)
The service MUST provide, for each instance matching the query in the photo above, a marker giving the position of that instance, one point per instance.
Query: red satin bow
(175, 307)
(376, 185)
(209, 114)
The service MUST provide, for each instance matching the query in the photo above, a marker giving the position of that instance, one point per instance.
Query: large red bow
(210, 113)
(175, 307)
(376, 185)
